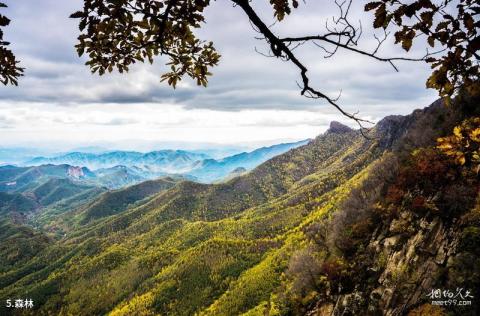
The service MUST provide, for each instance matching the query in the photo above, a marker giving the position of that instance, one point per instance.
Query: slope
(210, 170)
(190, 218)
(229, 244)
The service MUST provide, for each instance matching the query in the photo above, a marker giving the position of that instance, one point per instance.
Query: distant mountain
(89, 149)
(235, 173)
(20, 179)
(38, 195)
(17, 155)
(120, 168)
(210, 170)
(220, 152)
(166, 161)
(121, 176)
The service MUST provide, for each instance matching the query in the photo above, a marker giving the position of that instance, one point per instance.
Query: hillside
(35, 195)
(45, 194)
(19, 179)
(316, 230)
(210, 170)
(113, 202)
(23, 179)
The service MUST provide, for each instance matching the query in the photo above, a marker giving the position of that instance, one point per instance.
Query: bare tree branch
(280, 49)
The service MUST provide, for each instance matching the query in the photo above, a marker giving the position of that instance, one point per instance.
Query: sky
(251, 99)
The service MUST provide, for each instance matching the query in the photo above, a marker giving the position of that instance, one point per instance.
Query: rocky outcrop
(75, 172)
(410, 248)
(413, 259)
(407, 259)
(338, 128)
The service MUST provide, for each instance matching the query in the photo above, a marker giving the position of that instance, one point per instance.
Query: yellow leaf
(457, 131)
(475, 135)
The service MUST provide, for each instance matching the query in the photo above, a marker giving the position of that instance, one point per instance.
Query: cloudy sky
(250, 99)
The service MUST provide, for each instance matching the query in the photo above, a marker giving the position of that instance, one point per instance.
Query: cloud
(133, 123)
(5, 122)
(249, 98)
(244, 80)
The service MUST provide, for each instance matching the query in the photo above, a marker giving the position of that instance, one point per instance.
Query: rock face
(391, 129)
(408, 257)
(75, 172)
(338, 128)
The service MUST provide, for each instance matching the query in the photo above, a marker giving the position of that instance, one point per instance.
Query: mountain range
(341, 225)
(165, 161)
(135, 166)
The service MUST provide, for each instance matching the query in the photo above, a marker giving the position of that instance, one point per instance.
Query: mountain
(46, 197)
(164, 161)
(17, 155)
(235, 224)
(113, 202)
(17, 203)
(19, 179)
(210, 170)
(120, 176)
(343, 225)
(120, 168)
(235, 173)
(31, 193)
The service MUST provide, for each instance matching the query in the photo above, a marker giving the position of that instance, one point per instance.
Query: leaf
(457, 131)
(475, 135)
(372, 5)
(407, 43)
(380, 16)
(4, 21)
(77, 15)
(469, 22)
(431, 41)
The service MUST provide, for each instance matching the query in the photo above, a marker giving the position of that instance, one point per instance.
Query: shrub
(427, 310)
(470, 240)
(304, 270)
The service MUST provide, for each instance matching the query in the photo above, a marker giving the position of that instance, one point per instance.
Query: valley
(308, 228)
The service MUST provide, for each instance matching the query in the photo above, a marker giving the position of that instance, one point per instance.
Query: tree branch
(281, 50)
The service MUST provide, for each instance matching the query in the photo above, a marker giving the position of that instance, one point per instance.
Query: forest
(380, 219)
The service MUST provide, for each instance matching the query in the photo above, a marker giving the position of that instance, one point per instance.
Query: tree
(9, 69)
(464, 144)
(452, 24)
(118, 33)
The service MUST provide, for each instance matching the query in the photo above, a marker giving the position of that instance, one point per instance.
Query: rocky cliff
(406, 241)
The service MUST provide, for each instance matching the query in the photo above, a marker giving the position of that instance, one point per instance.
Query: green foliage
(9, 69)
(193, 248)
(290, 233)
(117, 34)
(17, 203)
(18, 244)
(54, 190)
(112, 202)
